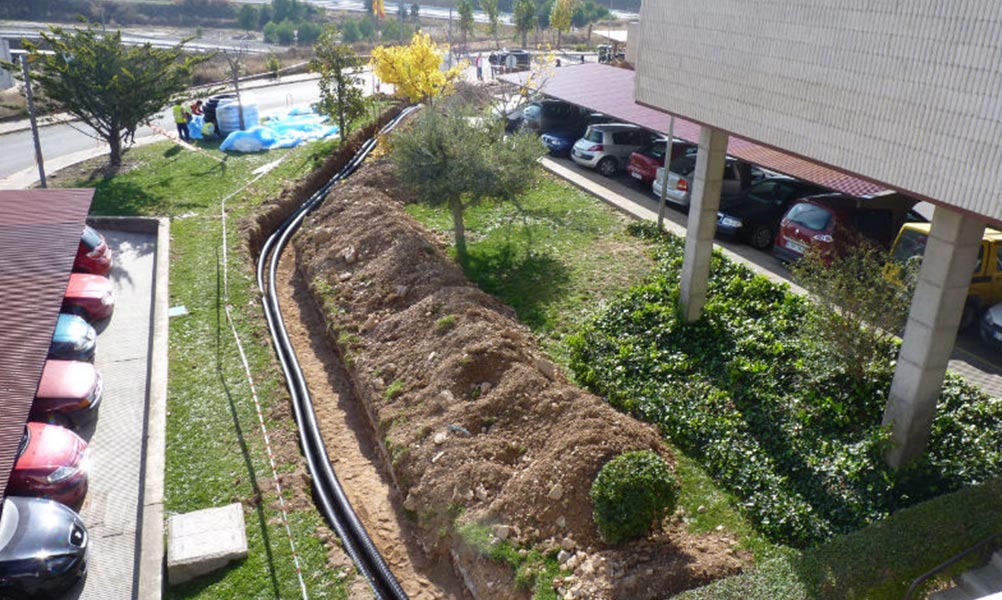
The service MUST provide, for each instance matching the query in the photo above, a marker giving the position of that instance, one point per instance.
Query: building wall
(906, 92)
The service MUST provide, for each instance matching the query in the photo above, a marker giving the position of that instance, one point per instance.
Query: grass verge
(215, 451)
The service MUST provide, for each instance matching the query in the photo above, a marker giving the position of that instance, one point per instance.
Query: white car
(680, 178)
(607, 147)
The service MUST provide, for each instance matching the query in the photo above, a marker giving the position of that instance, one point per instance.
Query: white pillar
(703, 206)
(931, 331)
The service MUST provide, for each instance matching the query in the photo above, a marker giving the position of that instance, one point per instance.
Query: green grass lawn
(215, 450)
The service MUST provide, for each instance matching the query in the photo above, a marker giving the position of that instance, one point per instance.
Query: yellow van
(986, 282)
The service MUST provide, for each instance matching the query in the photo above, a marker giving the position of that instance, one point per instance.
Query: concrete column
(950, 256)
(705, 201)
(6, 79)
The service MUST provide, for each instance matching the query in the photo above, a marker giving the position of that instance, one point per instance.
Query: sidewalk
(971, 360)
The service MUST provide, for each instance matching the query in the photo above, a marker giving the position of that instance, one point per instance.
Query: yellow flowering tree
(414, 69)
(560, 16)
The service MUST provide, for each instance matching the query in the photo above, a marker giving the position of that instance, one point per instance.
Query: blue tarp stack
(280, 130)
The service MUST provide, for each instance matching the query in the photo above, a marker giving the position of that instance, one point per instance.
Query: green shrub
(777, 420)
(630, 494)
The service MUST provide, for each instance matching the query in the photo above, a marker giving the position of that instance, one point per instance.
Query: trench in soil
(352, 448)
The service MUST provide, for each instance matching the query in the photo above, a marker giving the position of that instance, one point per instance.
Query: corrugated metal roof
(39, 235)
(609, 90)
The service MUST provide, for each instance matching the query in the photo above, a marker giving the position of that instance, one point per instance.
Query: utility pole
(450, 37)
(669, 146)
(31, 117)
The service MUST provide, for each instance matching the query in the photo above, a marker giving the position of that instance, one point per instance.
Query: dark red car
(644, 163)
(829, 221)
(51, 463)
(89, 296)
(69, 391)
(93, 254)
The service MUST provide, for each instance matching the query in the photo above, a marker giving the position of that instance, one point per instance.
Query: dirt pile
(474, 420)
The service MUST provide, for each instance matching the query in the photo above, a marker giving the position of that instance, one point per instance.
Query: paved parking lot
(979, 364)
(114, 506)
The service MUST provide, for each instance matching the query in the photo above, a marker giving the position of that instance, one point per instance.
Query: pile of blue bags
(283, 129)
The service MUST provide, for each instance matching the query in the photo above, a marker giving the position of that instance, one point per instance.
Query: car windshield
(655, 150)
(593, 135)
(532, 111)
(683, 165)
(8, 522)
(810, 216)
(769, 192)
(911, 243)
(90, 238)
(24, 442)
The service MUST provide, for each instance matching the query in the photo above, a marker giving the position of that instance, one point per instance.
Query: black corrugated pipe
(330, 496)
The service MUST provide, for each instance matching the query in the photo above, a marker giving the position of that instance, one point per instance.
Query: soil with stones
(471, 423)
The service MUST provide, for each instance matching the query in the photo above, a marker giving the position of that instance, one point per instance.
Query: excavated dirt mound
(472, 418)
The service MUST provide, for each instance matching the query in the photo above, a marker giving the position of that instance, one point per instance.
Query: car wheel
(761, 237)
(970, 314)
(607, 166)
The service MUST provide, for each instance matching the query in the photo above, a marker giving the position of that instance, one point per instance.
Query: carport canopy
(609, 90)
(39, 236)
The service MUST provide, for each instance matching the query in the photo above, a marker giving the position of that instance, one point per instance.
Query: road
(65, 139)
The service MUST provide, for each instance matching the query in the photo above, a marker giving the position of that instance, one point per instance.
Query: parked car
(560, 141)
(73, 339)
(89, 296)
(754, 216)
(607, 147)
(510, 61)
(43, 548)
(544, 116)
(93, 254)
(986, 279)
(68, 392)
(830, 221)
(739, 176)
(51, 463)
(991, 326)
(643, 164)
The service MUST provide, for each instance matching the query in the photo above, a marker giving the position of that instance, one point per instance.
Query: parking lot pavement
(980, 365)
(114, 504)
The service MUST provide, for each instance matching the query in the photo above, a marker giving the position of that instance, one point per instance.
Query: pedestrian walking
(480, 68)
(181, 117)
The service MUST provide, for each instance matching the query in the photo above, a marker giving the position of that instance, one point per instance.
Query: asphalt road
(60, 140)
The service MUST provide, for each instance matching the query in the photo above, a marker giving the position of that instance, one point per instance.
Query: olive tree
(109, 86)
(454, 155)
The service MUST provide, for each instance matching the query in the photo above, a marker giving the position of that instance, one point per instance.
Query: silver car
(680, 178)
(607, 147)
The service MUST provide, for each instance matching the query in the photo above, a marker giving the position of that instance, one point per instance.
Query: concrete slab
(202, 541)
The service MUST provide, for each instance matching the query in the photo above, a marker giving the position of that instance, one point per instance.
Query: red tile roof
(39, 235)
(609, 90)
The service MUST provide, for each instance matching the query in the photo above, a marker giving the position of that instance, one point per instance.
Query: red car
(829, 221)
(51, 463)
(89, 296)
(93, 254)
(69, 391)
(644, 163)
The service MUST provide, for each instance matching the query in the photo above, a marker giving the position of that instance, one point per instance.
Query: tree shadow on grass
(524, 279)
(122, 198)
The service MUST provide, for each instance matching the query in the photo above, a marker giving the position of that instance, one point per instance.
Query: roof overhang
(39, 235)
(609, 90)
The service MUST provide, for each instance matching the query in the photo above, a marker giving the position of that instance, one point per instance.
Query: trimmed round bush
(630, 494)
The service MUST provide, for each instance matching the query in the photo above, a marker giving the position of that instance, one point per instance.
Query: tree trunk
(525, 34)
(115, 142)
(460, 230)
(589, 33)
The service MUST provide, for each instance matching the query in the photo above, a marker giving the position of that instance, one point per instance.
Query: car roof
(614, 126)
(992, 235)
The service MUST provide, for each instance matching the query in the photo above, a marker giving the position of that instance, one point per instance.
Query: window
(874, 224)
(683, 165)
(90, 238)
(809, 215)
(623, 138)
(593, 135)
(771, 191)
(655, 151)
(981, 259)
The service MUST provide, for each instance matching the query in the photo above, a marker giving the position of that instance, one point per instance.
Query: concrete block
(202, 541)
